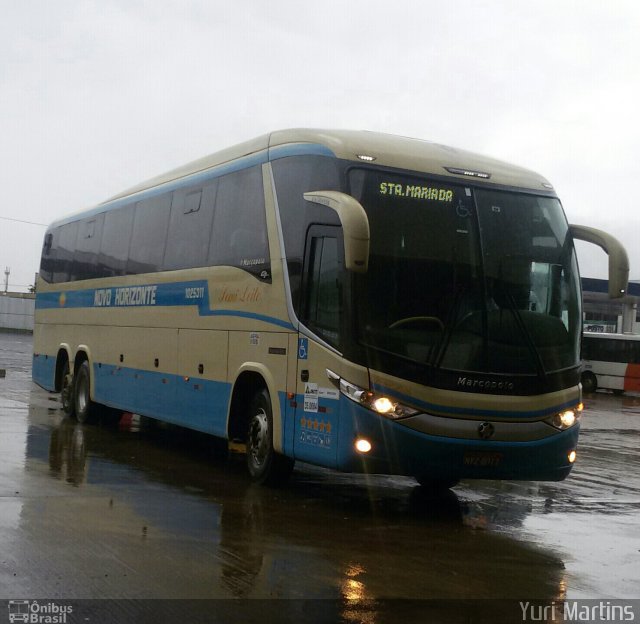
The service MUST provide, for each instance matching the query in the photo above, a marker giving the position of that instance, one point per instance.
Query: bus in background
(611, 362)
(349, 299)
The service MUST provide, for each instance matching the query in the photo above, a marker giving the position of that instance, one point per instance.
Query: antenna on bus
(7, 272)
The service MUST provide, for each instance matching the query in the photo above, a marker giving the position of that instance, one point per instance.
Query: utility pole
(7, 272)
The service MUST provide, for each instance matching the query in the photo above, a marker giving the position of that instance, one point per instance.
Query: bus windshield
(466, 279)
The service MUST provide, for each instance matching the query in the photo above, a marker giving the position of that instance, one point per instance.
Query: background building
(610, 315)
(16, 311)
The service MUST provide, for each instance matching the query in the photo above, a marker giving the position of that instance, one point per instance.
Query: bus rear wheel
(85, 408)
(589, 382)
(66, 392)
(265, 465)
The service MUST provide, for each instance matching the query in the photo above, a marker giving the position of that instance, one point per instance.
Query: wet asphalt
(139, 511)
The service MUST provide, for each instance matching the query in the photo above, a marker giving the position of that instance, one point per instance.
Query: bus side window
(322, 310)
(239, 236)
(114, 247)
(87, 248)
(190, 227)
(49, 250)
(65, 252)
(149, 235)
(294, 176)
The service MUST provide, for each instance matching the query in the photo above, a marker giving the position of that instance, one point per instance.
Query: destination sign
(412, 191)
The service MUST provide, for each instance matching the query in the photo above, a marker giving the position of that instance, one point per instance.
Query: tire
(66, 392)
(589, 382)
(265, 465)
(85, 408)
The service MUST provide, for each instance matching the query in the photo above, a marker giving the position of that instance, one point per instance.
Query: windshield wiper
(520, 324)
(453, 323)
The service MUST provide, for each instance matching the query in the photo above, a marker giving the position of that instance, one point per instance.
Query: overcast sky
(96, 96)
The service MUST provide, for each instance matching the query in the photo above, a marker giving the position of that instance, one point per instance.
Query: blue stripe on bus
(402, 450)
(43, 370)
(175, 294)
(463, 411)
(198, 404)
(245, 162)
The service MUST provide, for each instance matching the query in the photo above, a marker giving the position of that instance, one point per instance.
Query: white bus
(350, 299)
(611, 362)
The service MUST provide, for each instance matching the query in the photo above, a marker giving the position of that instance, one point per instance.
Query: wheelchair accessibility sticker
(303, 348)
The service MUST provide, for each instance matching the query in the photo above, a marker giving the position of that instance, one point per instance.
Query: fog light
(362, 445)
(572, 457)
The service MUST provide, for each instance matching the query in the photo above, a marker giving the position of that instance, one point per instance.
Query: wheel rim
(259, 438)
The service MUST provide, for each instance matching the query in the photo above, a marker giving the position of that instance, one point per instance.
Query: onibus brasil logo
(38, 612)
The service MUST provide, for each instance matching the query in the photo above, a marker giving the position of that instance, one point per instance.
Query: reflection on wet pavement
(146, 504)
(142, 511)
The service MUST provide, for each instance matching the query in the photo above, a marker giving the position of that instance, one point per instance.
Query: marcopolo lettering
(485, 385)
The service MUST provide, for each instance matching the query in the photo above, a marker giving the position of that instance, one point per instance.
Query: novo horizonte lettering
(129, 296)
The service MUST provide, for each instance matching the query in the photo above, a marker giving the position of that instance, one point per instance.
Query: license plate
(482, 459)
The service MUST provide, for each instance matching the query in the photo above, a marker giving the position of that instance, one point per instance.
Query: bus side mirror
(355, 226)
(618, 259)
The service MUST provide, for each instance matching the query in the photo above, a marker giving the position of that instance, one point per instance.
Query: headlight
(376, 402)
(565, 419)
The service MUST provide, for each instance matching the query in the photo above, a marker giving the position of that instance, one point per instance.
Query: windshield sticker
(416, 192)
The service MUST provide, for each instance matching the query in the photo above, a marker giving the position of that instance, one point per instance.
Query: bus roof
(383, 149)
(387, 149)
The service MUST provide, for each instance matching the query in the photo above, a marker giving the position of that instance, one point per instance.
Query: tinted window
(239, 226)
(65, 252)
(295, 176)
(610, 350)
(49, 250)
(323, 307)
(190, 227)
(87, 248)
(114, 248)
(149, 235)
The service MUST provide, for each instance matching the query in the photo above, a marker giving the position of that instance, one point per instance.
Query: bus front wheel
(265, 465)
(85, 408)
(589, 382)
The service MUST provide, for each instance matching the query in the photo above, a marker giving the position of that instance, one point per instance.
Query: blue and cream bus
(353, 300)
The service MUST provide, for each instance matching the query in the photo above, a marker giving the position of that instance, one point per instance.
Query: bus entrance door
(317, 399)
